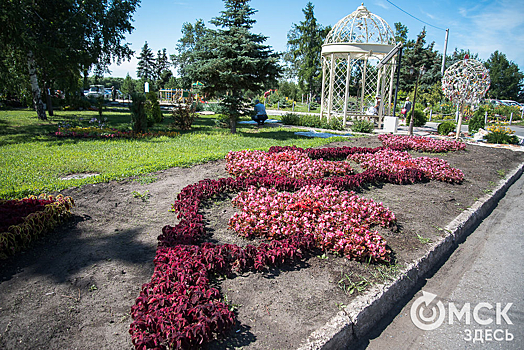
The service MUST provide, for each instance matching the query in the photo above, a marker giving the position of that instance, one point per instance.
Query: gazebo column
(323, 101)
(391, 85)
(382, 92)
(346, 93)
(331, 85)
(363, 92)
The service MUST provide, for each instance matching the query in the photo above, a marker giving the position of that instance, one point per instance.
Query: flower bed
(392, 162)
(420, 143)
(22, 220)
(291, 163)
(179, 309)
(339, 220)
(94, 132)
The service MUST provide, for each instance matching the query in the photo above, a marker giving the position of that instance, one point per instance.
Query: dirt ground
(74, 288)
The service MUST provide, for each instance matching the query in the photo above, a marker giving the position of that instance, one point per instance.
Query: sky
(481, 26)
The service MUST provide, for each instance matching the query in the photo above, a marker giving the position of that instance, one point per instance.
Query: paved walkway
(486, 268)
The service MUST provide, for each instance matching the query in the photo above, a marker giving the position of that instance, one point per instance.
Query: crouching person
(260, 113)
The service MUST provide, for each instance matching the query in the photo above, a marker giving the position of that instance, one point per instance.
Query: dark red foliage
(334, 153)
(178, 308)
(13, 212)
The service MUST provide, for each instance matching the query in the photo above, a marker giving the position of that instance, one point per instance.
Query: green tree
(416, 55)
(506, 77)
(232, 60)
(146, 67)
(192, 40)
(128, 86)
(60, 39)
(401, 33)
(163, 72)
(304, 42)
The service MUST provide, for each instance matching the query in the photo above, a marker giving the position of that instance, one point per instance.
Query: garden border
(347, 327)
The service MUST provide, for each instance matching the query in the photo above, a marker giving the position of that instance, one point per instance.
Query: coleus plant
(23, 220)
(179, 309)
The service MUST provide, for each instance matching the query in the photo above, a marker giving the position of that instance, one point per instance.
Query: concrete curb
(346, 328)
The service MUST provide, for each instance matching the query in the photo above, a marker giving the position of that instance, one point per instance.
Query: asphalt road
(486, 268)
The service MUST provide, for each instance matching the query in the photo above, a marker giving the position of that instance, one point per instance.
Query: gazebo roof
(361, 27)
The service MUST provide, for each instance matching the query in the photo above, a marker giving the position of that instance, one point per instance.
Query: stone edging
(347, 327)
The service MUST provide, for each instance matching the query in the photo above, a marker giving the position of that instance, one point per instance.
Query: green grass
(33, 161)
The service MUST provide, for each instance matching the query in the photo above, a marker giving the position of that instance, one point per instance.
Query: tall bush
(184, 115)
(419, 120)
(152, 109)
(477, 121)
(138, 113)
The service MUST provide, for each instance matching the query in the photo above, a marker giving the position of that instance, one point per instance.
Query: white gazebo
(353, 77)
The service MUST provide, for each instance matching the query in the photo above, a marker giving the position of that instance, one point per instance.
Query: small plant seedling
(143, 196)
(422, 239)
(501, 173)
(232, 307)
(341, 306)
(93, 288)
(349, 287)
(323, 256)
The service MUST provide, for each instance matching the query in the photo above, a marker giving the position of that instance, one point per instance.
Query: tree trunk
(233, 125)
(35, 89)
(49, 102)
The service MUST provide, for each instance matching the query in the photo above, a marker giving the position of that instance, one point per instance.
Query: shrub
(198, 106)
(419, 120)
(184, 115)
(332, 124)
(138, 114)
(290, 119)
(446, 127)
(501, 134)
(500, 137)
(310, 120)
(215, 107)
(152, 109)
(222, 121)
(477, 121)
(363, 126)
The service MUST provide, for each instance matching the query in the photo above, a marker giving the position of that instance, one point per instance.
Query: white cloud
(382, 4)
(124, 68)
(428, 14)
(496, 27)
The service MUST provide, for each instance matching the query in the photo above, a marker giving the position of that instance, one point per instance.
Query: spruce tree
(305, 47)
(232, 60)
(146, 64)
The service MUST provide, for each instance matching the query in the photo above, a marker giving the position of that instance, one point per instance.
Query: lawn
(33, 160)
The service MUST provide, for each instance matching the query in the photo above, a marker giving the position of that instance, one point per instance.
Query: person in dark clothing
(260, 113)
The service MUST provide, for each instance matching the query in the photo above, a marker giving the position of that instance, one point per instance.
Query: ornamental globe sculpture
(465, 83)
(352, 78)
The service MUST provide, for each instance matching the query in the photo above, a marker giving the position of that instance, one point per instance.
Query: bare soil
(74, 288)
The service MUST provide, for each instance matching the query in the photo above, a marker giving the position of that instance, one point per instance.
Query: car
(95, 91)
(512, 103)
(494, 102)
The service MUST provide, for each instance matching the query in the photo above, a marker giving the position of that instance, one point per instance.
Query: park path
(486, 268)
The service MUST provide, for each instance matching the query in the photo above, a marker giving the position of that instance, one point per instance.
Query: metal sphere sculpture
(465, 82)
